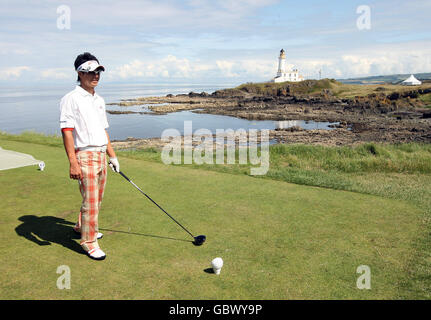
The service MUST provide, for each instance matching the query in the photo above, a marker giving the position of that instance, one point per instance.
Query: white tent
(411, 81)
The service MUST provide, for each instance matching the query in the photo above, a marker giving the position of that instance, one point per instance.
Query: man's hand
(75, 171)
(114, 164)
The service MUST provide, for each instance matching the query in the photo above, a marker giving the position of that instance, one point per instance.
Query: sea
(37, 109)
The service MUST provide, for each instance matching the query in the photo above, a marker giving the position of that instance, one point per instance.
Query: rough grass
(426, 98)
(368, 157)
(33, 137)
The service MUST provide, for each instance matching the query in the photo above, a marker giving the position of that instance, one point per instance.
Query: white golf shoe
(96, 254)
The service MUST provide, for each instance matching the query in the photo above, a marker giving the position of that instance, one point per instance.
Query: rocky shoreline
(393, 117)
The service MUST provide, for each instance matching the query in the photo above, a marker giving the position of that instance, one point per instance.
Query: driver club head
(199, 240)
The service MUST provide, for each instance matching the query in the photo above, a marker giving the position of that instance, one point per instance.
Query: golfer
(83, 125)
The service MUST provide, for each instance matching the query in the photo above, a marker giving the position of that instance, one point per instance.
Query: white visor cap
(90, 66)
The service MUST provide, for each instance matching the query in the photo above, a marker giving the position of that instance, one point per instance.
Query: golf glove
(114, 164)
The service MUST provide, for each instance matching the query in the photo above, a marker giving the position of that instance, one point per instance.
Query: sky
(212, 41)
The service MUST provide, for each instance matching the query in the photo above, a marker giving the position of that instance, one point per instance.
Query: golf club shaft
(125, 177)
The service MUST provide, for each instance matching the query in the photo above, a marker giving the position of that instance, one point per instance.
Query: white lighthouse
(282, 74)
(281, 63)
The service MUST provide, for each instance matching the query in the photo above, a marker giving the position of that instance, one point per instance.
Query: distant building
(411, 81)
(282, 74)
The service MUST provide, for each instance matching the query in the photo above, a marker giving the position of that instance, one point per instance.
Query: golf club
(198, 240)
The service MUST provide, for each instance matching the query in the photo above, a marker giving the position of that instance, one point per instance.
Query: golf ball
(217, 263)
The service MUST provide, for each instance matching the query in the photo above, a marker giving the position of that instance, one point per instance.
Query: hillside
(278, 89)
(324, 87)
(390, 79)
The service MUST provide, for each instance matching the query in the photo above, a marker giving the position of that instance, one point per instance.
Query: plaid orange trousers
(92, 186)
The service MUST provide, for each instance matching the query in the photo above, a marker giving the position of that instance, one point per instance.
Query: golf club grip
(125, 177)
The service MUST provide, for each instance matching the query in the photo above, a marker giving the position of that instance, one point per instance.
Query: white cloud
(167, 67)
(11, 73)
(172, 67)
(257, 68)
(389, 61)
(226, 68)
(345, 64)
(370, 61)
(58, 73)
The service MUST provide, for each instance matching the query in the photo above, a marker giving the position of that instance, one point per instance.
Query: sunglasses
(92, 73)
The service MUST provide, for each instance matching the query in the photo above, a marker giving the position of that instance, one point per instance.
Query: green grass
(426, 98)
(34, 137)
(400, 171)
(279, 240)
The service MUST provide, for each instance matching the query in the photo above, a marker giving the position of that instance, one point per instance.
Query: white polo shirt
(86, 113)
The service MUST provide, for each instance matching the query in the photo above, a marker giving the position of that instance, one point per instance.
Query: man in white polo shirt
(83, 124)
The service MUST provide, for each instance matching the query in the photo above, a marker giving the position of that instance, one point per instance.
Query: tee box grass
(278, 240)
